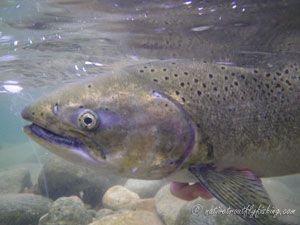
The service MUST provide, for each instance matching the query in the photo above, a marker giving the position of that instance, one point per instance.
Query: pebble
(67, 211)
(138, 217)
(22, 209)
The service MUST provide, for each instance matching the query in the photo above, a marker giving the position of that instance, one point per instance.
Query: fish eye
(88, 120)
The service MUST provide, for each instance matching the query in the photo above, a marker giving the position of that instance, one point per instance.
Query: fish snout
(26, 113)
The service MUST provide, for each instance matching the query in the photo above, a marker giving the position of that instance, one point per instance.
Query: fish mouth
(74, 146)
(53, 137)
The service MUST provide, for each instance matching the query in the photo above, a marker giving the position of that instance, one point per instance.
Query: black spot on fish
(42, 114)
(89, 86)
(236, 83)
(155, 80)
(183, 99)
(186, 73)
(177, 92)
(243, 76)
(145, 67)
(278, 73)
(223, 68)
(198, 93)
(173, 63)
(33, 113)
(182, 84)
(215, 89)
(268, 75)
(81, 106)
(166, 105)
(210, 76)
(288, 82)
(141, 71)
(175, 75)
(152, 70)
(286, 71)
(233, 74)
(255, 71)
(166, 78)
(225, 78)
(196, 80)
(204, 85)
(164, 69)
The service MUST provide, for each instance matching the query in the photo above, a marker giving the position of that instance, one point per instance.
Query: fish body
(183, 120)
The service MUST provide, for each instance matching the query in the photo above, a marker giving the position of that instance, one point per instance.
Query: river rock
(167, 205)
(22, 209)
(103, 212)
(138, 217)
(14, 181)
(202, 211)
(67, 211)
(61, 178)
(144, 188)
(119, 197)
(285, 196)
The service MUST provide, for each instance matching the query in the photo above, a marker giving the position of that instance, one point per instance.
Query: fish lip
(52, 137)
(73, 144)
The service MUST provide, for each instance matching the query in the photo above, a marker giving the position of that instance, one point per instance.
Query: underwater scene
(135, 112)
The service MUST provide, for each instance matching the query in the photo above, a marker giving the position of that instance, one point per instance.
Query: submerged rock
(202, 211)
(119, 197)
(285, 196)
(14, 181)
(167, 205)
(103, 212)
(22, 209)
(138, 217)
(61, 178)
(67, 211)
(144, 188)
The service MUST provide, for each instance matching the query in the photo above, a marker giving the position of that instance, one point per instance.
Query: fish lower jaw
(52, 137)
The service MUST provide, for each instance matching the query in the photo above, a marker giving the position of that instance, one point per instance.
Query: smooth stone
(34, 170)
(285, 196)
(119, 197)
(61, 178)
(103, 212)
(67, 211)
(194, 213)
(167, 205)
(138, 217)
(14, 181)
(22, 209)
(144, 188)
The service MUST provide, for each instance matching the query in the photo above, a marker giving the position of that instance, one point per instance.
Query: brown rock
(130, 218)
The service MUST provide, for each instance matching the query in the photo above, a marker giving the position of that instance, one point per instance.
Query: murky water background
(45, 44)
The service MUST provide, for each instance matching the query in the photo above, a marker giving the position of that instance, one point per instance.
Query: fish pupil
(88, 120)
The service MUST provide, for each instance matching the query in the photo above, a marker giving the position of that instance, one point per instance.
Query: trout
(188, 121)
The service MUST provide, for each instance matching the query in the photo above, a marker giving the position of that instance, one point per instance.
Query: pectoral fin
(238, 190)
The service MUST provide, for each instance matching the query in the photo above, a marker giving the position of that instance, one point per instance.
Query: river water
(45, 44)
